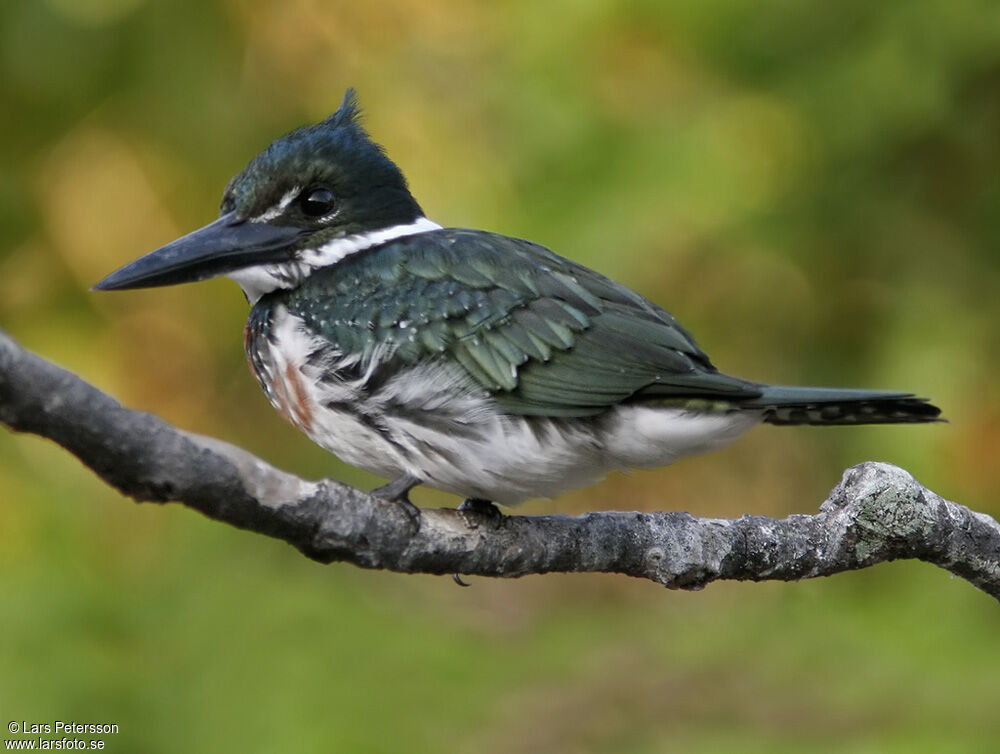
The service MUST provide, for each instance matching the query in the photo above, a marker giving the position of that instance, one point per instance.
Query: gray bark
(878, 511)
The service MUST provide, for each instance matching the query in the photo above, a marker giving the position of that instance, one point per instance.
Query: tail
(831, 406)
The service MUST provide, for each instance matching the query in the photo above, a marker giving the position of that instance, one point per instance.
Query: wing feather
(542, 334)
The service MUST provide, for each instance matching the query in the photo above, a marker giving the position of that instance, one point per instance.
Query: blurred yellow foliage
(811, 188)
(98, 205)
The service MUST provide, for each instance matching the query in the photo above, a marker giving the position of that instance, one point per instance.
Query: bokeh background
(813, 189)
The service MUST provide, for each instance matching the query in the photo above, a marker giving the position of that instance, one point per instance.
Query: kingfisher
(475, 363)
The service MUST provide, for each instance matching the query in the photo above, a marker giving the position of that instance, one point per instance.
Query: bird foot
(476, 511)
(398, 491)
(474, 508)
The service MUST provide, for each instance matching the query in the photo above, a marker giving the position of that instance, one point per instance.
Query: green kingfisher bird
(471, 362)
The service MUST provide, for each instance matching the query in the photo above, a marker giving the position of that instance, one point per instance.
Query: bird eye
(317, 202)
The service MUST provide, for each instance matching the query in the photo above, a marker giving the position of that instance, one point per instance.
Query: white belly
(517, 458)
(432, 423)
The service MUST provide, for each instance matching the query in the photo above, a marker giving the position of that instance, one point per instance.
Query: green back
(543, 335)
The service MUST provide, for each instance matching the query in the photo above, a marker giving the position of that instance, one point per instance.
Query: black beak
(226, 245)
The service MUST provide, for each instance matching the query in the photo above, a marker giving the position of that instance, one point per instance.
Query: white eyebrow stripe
(334, 251)
(278, 209)
(262, 279)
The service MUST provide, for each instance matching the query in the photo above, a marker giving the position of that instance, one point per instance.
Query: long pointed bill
(226, 245)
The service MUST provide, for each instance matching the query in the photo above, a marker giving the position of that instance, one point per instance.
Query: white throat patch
(261, 280)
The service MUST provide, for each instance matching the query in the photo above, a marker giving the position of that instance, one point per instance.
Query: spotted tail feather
(831, 406)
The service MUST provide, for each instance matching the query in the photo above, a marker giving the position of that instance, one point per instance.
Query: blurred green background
(812, 188)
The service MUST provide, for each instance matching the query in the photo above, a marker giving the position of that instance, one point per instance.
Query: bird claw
(412, 512)
(476, 508)
(398, 491)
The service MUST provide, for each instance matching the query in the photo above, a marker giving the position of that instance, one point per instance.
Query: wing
(541, 334)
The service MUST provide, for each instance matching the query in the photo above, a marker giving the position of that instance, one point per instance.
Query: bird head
(312, 197)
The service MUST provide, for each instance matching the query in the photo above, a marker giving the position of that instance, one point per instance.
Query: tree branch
(878, 512)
